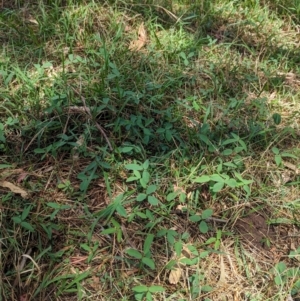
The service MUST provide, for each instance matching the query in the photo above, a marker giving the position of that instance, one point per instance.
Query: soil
(254, 229)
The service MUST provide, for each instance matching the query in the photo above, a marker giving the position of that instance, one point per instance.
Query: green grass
(168, 173)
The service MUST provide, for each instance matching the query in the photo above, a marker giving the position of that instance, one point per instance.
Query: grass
(167, 173)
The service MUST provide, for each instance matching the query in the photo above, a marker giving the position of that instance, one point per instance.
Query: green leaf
(238, 149)
(27, 226)
(278, 160)
(171, 196)
(178, 247)
(133, 166)
(109, 231)
(229, 164)
(39, 151)
(153, 200)
(227, 152)
(284, 154)
(5, 166)
(125, 149)
(85, 247)
(156, 289)
(148, 242)
(149, 296)
(202, 179)
(143, 183)
(228, 141)
(168, 135)
(206, 288)
(242, 143)
(193, 250)
(275, 150)
(170, 238)
(231, 183)
(278, 280)
(280, 267)
(146, 176)
(146, 164)
(295, 254)
(247, 189)
(206, 213)
(276, 118)
(216, 178)
(203, 254)
(141, 197)
(195, 218)
(25, 212)
(134, 253)
(141, 215)
(131, 179)
(53, 205)
(203, 227)
(149, 262)
(140, 288)
(218, 186)
(121, 210)
(17, 219)
(205, 139)
(210, 240)
(188, 261)
(151, 189)
(137, 174)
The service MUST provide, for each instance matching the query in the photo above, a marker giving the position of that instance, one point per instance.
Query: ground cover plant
(149, 150)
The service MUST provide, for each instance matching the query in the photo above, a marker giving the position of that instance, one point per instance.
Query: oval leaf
(140, 289)
(151, 189)
(153, 200)
(203, 227)
(156, 289)
(141, 197)
(134, 253)
(202, 179)
(148, 262)
(207, 213)
(133, 167)
(218, 186)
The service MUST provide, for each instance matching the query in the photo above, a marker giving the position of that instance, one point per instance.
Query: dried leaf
(14, 188)
(222, 279)
(24, 297)
(142, 33)
(186, 252)
(291, 166)
(175, 275)
(137, 45)
(22, 176)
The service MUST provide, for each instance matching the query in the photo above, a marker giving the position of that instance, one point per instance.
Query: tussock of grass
(181, 157)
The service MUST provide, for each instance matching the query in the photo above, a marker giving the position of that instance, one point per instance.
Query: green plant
(196, 287)
(145, 256)
(140, 173)
(21, 219)
(66, 186)
(279, 155)
(206, 214)
(91, 250)
(283, 275)
(143, 292)
(148, 195)
(218, 181)
(57, 208)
